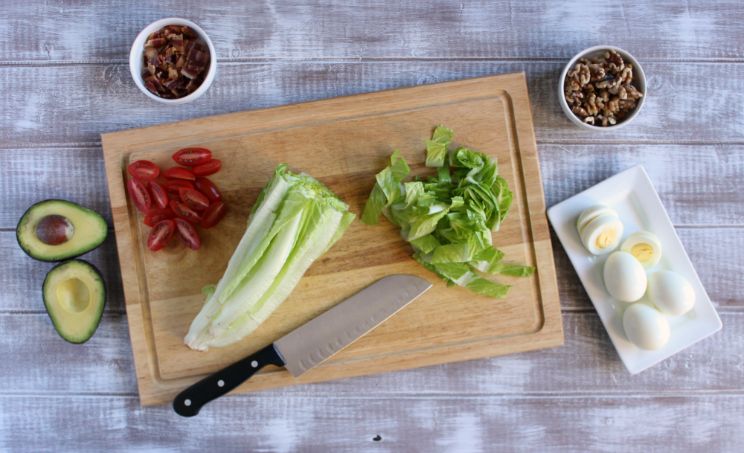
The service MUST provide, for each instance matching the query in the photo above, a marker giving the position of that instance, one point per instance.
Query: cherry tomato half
(192, 157)
(208, 188)
(173, 187)
(159, 195)
(179, 173)
(188, 234)
(139, 195)
(210, 168)
(194, 199)
(213, 214)
(144, 170)
(184, 212)
(161, 234)
(155, 216)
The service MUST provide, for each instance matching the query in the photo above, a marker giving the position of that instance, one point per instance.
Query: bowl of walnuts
(602, 88)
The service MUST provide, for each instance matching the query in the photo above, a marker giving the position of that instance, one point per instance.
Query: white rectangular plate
(634, 198)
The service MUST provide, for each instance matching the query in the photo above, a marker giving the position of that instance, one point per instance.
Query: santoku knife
(313, 342)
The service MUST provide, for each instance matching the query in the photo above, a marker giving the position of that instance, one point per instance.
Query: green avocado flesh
(55, 230)
(74, 296)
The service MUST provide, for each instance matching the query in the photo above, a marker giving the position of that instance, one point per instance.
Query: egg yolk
(643, 252)
(606, 238)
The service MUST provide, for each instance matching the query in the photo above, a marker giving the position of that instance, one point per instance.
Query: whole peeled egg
(671, 292)
(624, 277)
(645, 326)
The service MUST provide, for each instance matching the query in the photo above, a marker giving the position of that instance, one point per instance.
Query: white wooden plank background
(64, 80)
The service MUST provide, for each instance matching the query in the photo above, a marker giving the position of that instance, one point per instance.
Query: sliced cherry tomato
(213, 214)
(208, 188)
(155, 216)
(174, 186)
(192, 157)
(188, 234)
(161, 234)
(159, 195)
(210, 168)
(139, 195)
(194, 199)
(183, 211)
(144, 170)
(179, 173)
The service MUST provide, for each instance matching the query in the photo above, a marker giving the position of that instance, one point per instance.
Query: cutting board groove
(343, 142)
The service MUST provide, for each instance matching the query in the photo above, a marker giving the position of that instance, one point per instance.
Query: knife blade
(313, 342)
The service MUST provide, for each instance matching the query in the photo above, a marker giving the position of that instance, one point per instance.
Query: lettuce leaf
(436, 148)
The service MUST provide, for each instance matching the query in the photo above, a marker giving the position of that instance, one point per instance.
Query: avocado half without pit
(55, 230)
(74, 296)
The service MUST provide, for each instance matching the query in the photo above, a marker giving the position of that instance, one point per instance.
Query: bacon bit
(176, 62)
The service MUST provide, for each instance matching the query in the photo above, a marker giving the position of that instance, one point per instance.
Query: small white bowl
(639, 80)
(138, 49)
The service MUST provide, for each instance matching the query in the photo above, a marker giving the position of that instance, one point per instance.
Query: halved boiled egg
(644, 246)
(600, 229)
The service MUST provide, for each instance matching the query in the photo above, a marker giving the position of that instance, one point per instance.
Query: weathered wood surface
(700, 102)
(105, 366)
(59, 31)
(400, 424)
(64, 78)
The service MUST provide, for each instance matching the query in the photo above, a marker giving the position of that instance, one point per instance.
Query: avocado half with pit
(74, 296)
(55, 230)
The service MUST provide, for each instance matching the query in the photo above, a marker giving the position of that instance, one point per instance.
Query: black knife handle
(188, 402)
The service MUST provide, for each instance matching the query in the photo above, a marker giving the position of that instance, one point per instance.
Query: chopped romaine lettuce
(449, 218)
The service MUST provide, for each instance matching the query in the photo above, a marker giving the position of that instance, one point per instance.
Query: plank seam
(361, 59)
(552, 395)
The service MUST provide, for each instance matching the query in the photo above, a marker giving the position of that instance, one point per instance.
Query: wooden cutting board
(343, 142)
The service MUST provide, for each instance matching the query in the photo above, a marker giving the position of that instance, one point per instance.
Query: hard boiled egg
(600, 229)
(624, 277)
(671, 292)
(644, 246)
(645, 326)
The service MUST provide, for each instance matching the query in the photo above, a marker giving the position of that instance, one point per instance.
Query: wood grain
(360, 29)
(349, 424)
(105, 366)
(343, 142)
(684, 103)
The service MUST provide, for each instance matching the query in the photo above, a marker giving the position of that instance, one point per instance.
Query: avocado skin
(102, 302)
(63, 256)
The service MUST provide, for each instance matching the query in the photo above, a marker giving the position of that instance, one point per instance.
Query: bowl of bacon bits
(173, 61)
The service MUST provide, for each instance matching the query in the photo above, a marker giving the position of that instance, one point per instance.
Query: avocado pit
(54, 229)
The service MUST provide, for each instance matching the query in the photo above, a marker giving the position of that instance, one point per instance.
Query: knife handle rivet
(220, 383)
(187, 402)
(254, 364)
